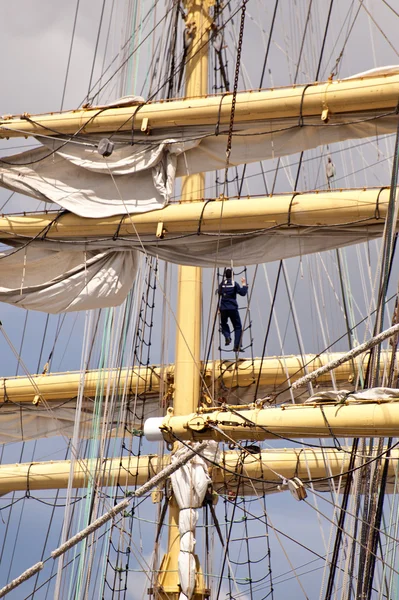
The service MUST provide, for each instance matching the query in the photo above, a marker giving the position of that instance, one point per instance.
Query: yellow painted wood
(188, 340)
(189, 301)
(270, 467)
(272, 371)
(338, 207)
(290, 421)
(339, 97)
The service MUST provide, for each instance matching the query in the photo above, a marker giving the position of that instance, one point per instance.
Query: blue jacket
(228, 291)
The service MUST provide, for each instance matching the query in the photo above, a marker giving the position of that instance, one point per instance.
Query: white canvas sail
(140, 177)
(63, 280)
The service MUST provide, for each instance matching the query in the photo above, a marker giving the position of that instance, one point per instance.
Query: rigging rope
(111, 514)
(142, 344)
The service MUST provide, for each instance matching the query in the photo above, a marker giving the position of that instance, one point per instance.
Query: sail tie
(290, 207)
(300, 120)
(217, 126)
(377, 215)
(202, 214)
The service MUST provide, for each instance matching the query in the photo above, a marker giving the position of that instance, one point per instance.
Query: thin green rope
(92, 454)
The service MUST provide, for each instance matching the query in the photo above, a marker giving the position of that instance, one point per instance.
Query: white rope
(77, 432)
(356, 541)
(113, 512)
(277, 325)
(295, 320)
(351, 354)
(323, 322)
(23, 577)
(161, 476)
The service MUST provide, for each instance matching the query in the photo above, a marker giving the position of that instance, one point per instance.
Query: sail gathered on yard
(120, 392)
(68, 273)
(139, 176)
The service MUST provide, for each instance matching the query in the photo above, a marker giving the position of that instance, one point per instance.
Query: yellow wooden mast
(189, 302)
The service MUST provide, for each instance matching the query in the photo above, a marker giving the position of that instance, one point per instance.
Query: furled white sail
(80, 180)
(189, 485)
(35, 422)
(25, 422)
(140, 177)
(44, 276)
(256, 248)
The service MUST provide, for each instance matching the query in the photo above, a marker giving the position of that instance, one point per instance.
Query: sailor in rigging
(228, 290)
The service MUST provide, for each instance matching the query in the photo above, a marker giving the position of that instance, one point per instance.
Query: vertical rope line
(70, 54)
(372, 514)
(22, 342)
(86, 510)
(141, 347)
(303, 40)
(280, 267)
(295, 322)
(48, 532)
(268, 44)
(388, 253)
(96, 49)
(74, 447)
(345, 307)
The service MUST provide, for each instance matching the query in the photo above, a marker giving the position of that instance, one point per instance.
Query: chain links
(235, 88)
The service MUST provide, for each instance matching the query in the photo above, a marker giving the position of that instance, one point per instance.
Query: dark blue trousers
(234, 317)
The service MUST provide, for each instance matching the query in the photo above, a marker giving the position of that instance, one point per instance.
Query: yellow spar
(262, 472)
(364, 94)
(369, 419)
(273, 372)
(357, 207)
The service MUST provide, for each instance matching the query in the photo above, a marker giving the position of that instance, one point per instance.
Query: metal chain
(235, 88)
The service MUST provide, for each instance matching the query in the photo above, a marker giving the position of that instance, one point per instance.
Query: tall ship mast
(167, 442)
